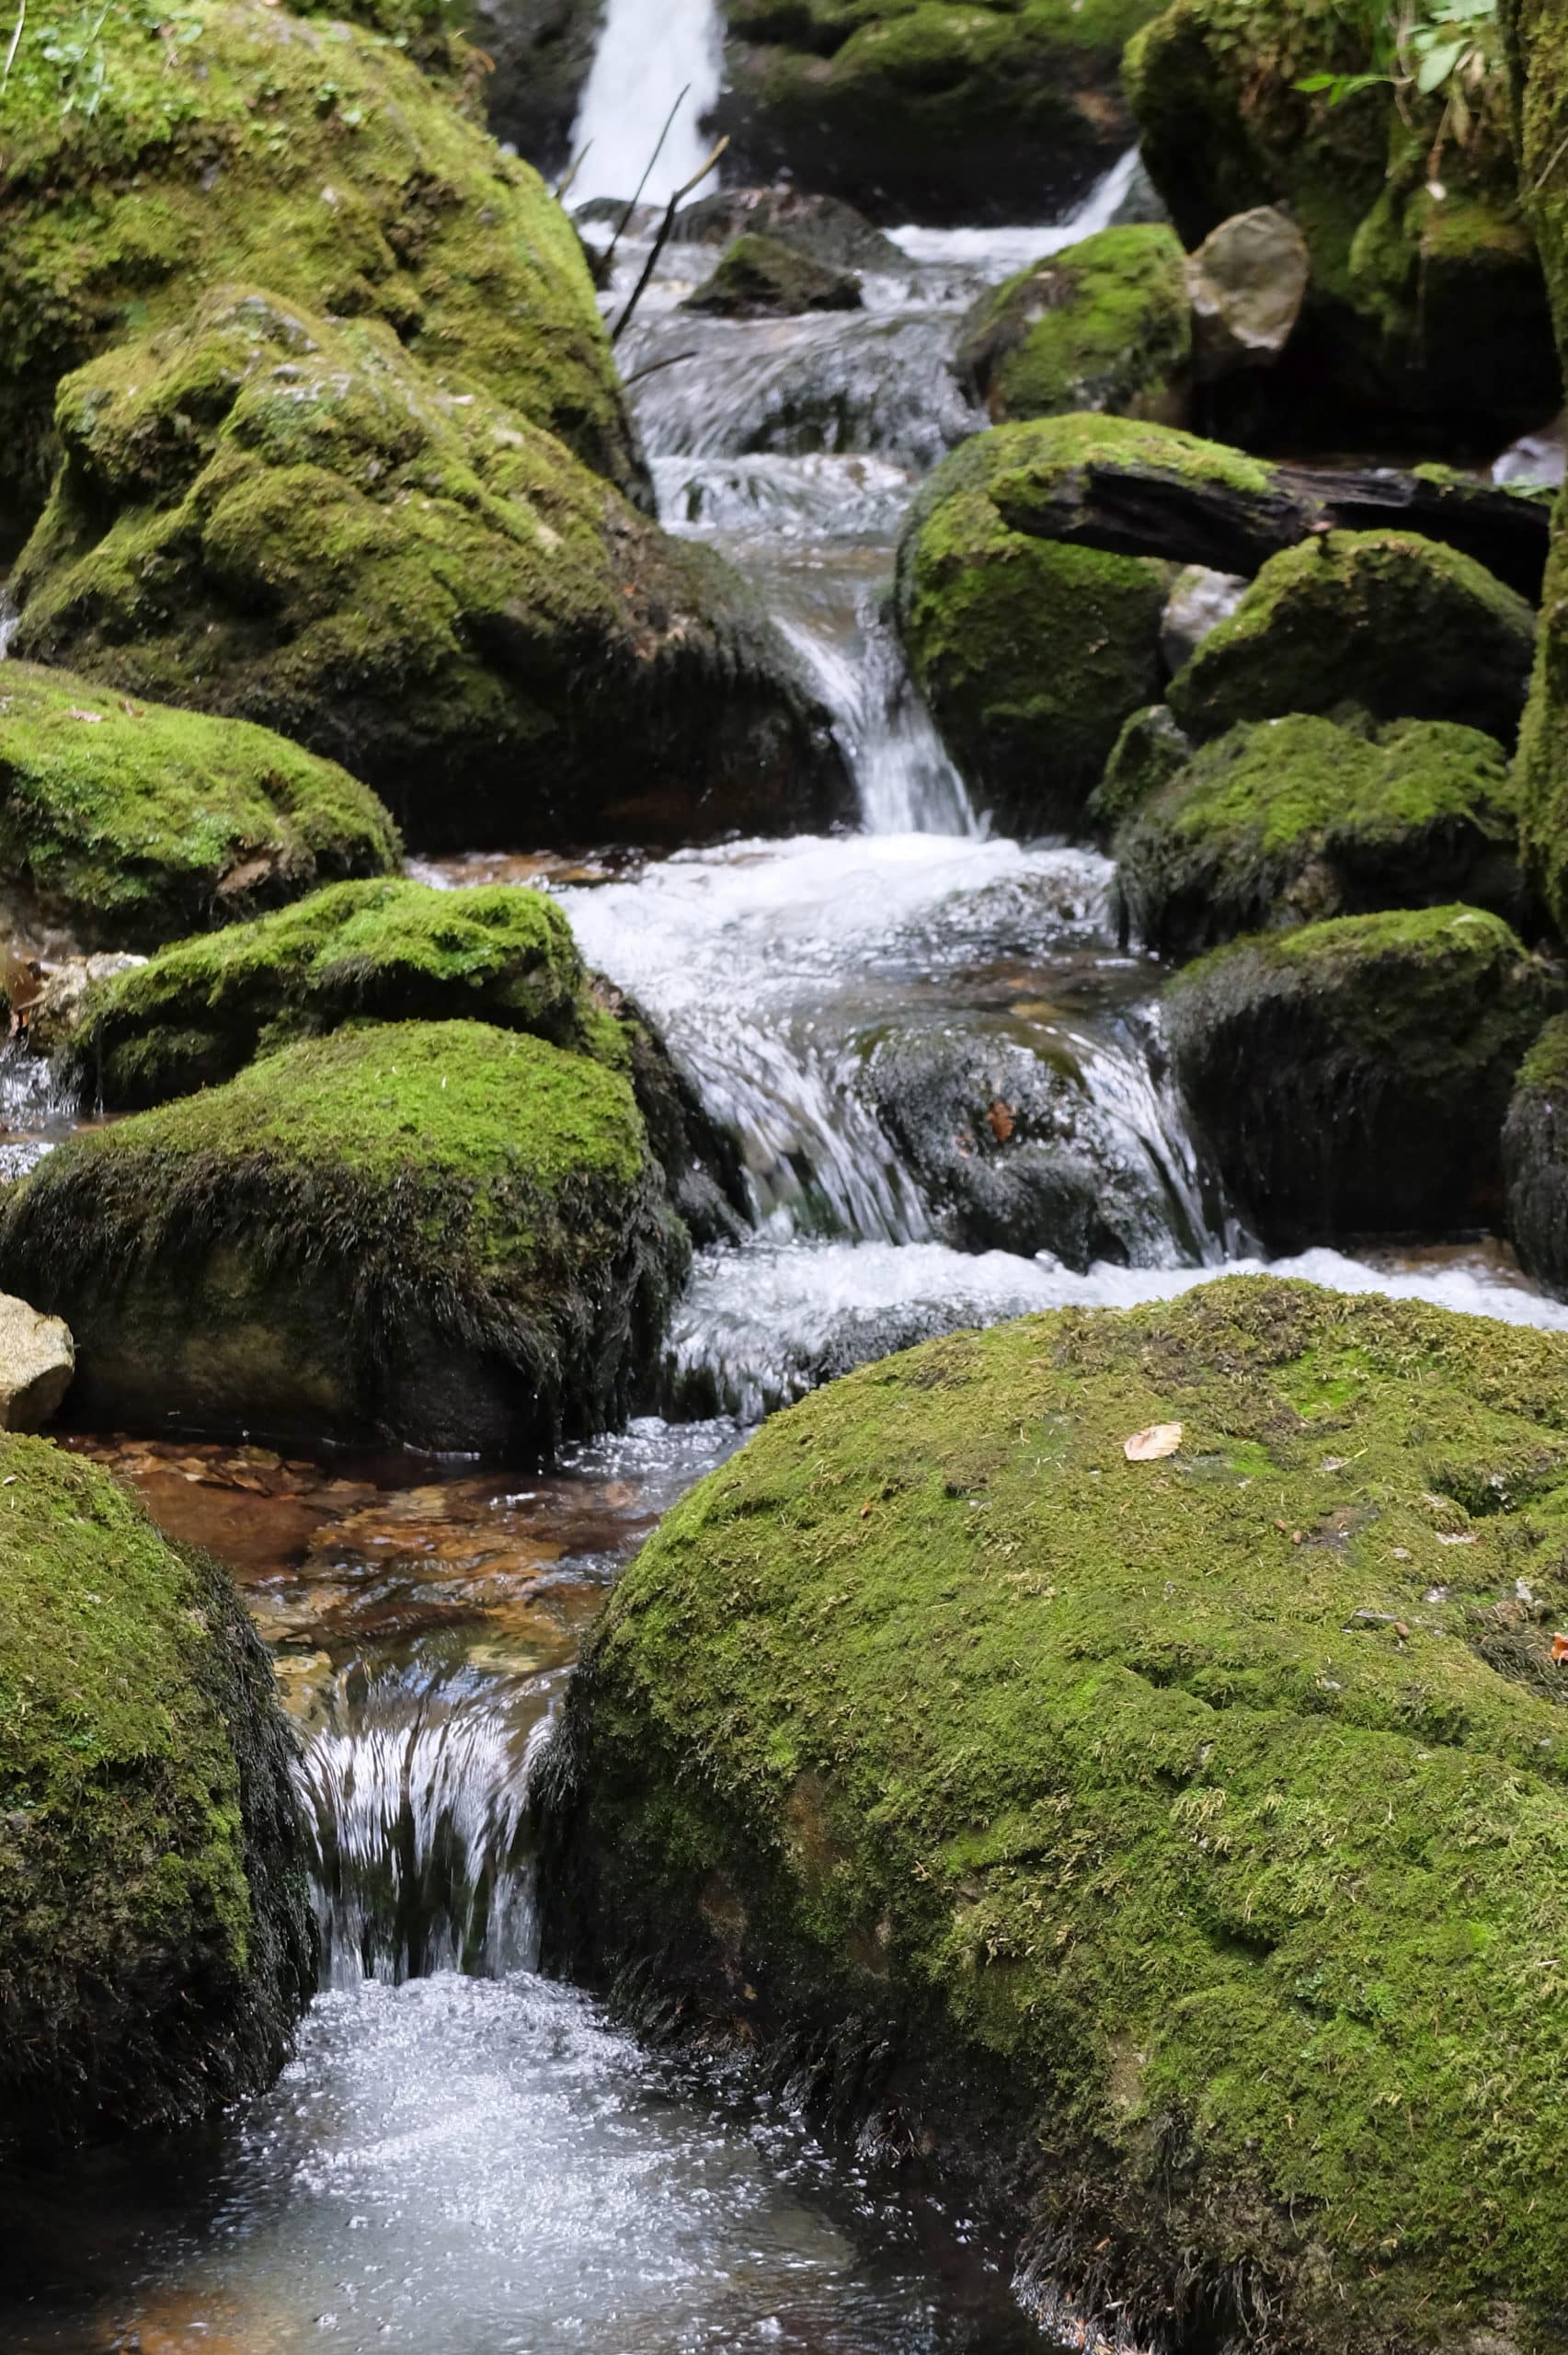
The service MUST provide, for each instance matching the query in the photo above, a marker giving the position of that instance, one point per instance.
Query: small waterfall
(905, 781)
(9, 618)
(647, 55)
(422, 1842)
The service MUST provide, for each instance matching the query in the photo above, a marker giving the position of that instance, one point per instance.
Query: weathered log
(1194, 519)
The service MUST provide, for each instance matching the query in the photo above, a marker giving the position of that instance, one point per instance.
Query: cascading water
(650, 61)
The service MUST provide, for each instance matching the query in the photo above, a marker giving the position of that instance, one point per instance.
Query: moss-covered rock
(1384, 622)
(1149, 752)
(1426, 298)
(266, 513)
(1535, 1159)
(1288, 822)
(1104, 325)
(1352, 1078)
(131, 824)
(1135, 1839)
(823, 226)
(1032, 652)
(443, 1233)
(760, 276)
(155, 1938)
(930, 109)
(143, 164)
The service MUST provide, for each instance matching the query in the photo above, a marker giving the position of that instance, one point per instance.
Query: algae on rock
(1288, 822)
(440, 1233)
(130, 824)
(156, 1944)
(762, 277)
(265, 513)
(1104, 324)
(1135, 1840)
(1351, 1077)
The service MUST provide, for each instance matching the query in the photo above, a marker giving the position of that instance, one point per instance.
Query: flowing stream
(463, 2158)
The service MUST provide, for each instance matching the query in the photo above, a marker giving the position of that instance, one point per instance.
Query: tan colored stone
(38, 1359)
(1248, 281)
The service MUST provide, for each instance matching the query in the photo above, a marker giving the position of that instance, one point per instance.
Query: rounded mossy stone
(156, 1943)
(1136, 1840)
(1385, 622)
(265, 513)
(929, 109)
(1105, 324)
(1543, 765)
(1289, 821)
(1535, 1159)
(1149, 752)
(129, 824)
(1426, 298)
(440, 1233)
(392, 951)
(762, 277)
(1352, 1078)
(304, 154)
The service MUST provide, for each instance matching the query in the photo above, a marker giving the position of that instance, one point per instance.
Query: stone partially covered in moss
(1105, 324)
(1149, 752)
(1352, 1078)
(130, 824)
(265, 513)
(443, 1233)
(155, 1937)
(1285, 821)
(1535, 1159)
(929, 109)
(1030, 652)
(1426, 298)
(1135, 1840)
(1387, 622)
(762, 277)
(307, 155)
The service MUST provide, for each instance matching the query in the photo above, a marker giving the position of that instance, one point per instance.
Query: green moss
(267, 512)
(930, 109)
(1352, 1078)
(761, 275)
(1149, 752)
(443, 1231)
(1387, 622)
(1535, 1159)
(1191, 1836)
(1285, 822)
(146, 162)
(390, 952)
(131, 824)
(1105, 324)
(155, 1931)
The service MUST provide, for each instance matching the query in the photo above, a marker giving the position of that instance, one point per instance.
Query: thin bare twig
(666, 225)
(609, 262)
(16, 43)
(573, 168)
(673, 361)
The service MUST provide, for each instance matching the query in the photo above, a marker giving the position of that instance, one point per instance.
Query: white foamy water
(649, 51)
(999, 252)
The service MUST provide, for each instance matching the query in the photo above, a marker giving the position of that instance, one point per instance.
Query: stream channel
(464, 2158)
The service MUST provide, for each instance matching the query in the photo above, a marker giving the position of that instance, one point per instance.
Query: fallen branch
(654, 366)
(666, 225)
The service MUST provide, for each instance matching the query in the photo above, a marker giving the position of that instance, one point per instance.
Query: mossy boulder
(1427, 302)
(441, 1233)
(1351, 1078)
(130, 824)
(1535, 1159)
(1149, 752)
(307, 154)
(156, 1944)
(1030, 651)
(760, 276)
(1135, 1840)
(1104, 325)
(1387, 622)
(263, 512)
(929, 109)
(1288, 822)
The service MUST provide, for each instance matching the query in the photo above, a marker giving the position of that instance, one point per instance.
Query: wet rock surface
(762, 277)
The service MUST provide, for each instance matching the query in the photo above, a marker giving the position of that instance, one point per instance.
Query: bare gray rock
(37, 1360)
(1248, 280)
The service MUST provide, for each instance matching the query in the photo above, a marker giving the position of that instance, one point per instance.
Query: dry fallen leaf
(1148, 1447)
(1559, 1648)
(1001, 1119)
(94, 719)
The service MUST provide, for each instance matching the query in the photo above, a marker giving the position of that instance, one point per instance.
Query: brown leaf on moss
(1148, 1447)
(1001, 1119)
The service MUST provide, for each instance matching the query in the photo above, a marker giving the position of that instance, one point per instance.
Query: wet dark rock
(1535, 1159)
(1014, 1152)
(542, 54)
(823, 226)
(1352, 1078)
(760, 276)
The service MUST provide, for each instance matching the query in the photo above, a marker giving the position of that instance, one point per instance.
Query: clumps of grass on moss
(1155, 1836)
(1289, 821)
(1105, 324)
(130, 824)
(1352, 1078)
(441, 1231)
(155, 1938)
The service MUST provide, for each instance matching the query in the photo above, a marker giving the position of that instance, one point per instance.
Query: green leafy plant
(1420, 49)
